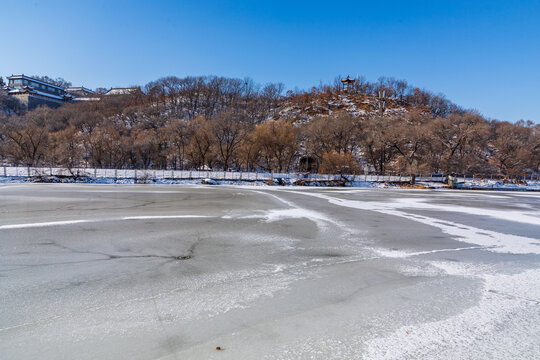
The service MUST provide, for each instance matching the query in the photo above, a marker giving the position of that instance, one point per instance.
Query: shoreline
(420, 185)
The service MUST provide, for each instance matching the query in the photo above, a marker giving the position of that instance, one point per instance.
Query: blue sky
(480, 54)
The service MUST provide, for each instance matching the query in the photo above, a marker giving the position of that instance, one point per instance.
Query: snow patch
(503, 325)
(72, 222)
(489, 240)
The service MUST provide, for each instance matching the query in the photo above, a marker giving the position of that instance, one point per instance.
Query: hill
(215, 122)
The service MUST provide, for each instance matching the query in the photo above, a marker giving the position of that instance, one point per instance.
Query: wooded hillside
(214, 122)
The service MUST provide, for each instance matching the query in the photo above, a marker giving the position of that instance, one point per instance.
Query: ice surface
(489, 240)
(172, 272)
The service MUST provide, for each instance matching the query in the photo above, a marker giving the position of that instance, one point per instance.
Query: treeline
(216, 122)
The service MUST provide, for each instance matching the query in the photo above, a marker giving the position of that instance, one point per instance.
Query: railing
(142, 175)
(156, 175)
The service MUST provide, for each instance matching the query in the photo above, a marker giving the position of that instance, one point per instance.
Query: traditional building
(79, 91)
(31, 93)
(348, 83)
(121, 91)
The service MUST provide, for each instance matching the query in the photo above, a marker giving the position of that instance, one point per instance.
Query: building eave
(25, 77)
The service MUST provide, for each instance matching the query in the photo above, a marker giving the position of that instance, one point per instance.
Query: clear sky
(480, 54)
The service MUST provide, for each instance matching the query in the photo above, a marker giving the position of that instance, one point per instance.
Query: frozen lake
(172, 272)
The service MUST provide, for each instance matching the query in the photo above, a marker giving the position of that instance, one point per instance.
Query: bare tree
(278, 141)
(509, 148)
(177, 134)
(201, 142)
(401, 88)
(460, 137)
(336, 133)
(58, 81)
(228, 130)
(338, 163)
(410, 138)
(66, 148)
(378, 142)
(26, 137)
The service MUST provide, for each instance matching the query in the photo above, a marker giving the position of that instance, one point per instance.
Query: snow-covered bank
(469, 184)
(488, 184)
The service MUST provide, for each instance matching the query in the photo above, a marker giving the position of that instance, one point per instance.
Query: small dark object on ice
(219, 348)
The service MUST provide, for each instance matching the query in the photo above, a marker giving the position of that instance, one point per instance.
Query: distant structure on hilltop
(79, 91)
(32, 93)
(347, 83)
(121, 91)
